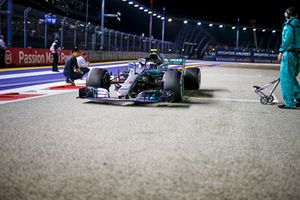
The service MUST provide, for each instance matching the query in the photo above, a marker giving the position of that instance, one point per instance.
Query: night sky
(270, 16)
(267, 13)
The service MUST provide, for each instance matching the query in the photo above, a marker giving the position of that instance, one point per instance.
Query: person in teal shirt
(289, 57)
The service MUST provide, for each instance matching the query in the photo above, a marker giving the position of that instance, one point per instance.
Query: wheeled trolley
(267, 98)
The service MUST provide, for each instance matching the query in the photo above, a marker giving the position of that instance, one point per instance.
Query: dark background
(265, 14)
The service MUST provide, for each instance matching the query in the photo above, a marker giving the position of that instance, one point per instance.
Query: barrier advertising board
(32, 57)
(257, 56)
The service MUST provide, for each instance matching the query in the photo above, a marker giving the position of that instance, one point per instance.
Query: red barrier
(32, 57)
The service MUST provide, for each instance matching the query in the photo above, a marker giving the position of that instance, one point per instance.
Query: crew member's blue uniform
(70, 66)
(290, 64)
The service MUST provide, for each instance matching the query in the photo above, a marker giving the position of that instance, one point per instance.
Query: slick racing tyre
(98, 78)
(192, 78)
(173, 83)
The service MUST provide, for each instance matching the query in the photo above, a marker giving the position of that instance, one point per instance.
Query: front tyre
(192, 78)
(98, 78)
(173, 83)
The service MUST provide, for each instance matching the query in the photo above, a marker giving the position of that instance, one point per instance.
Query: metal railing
(30, 29)
(190, 39)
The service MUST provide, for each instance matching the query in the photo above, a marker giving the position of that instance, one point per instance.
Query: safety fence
(242, 55)
(37, 29)
(28, 27)
(38, 57)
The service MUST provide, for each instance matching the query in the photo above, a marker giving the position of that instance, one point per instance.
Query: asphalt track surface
(219, 143)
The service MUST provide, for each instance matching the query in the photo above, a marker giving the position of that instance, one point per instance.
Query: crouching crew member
(72, 71)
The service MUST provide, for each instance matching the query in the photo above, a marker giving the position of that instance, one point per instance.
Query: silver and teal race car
(151, 79)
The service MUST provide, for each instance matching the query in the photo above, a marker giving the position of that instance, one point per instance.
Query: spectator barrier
(252, 55)
(19, 57)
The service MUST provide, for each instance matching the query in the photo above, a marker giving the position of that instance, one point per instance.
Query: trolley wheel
(271, 99)
(264, 100)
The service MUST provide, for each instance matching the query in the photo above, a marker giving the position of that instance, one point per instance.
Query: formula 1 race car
(151, 79)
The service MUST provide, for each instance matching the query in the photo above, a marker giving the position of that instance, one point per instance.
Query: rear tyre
(173, 83)
(192, 78)
(98, 78)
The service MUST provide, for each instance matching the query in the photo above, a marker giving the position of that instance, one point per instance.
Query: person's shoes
(297, 103)
(70, 81)
(283, 106)
(55, 70)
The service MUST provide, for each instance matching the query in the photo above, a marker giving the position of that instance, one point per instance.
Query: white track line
(226, 99)
(31, 82)
(40, 89)
(28, 74)
(43, 94)
(45, 87)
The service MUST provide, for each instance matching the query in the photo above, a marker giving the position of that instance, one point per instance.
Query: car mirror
(142, 60)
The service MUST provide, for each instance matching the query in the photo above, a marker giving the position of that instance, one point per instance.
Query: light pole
(26, 11)
(116, 35)
(45, 34)
(1, 3)
(150, 26)
(238, 33)
(121, 48)
(62, 23)
(253, 21)
(128, 37)
(9, 13)
(102, 22)
(134, 36)
(163, 31)
(94, 38)
(102, 25)
(109, 39)
(75, 32)
(140, 43)
(86, 22)
(46, 30)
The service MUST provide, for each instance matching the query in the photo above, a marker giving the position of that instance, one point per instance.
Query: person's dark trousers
(84, 70)
(74, 75)
(55, 62)
(2, 57)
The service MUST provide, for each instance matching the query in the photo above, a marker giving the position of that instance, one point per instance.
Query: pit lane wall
(21, 57)
(252, 55)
